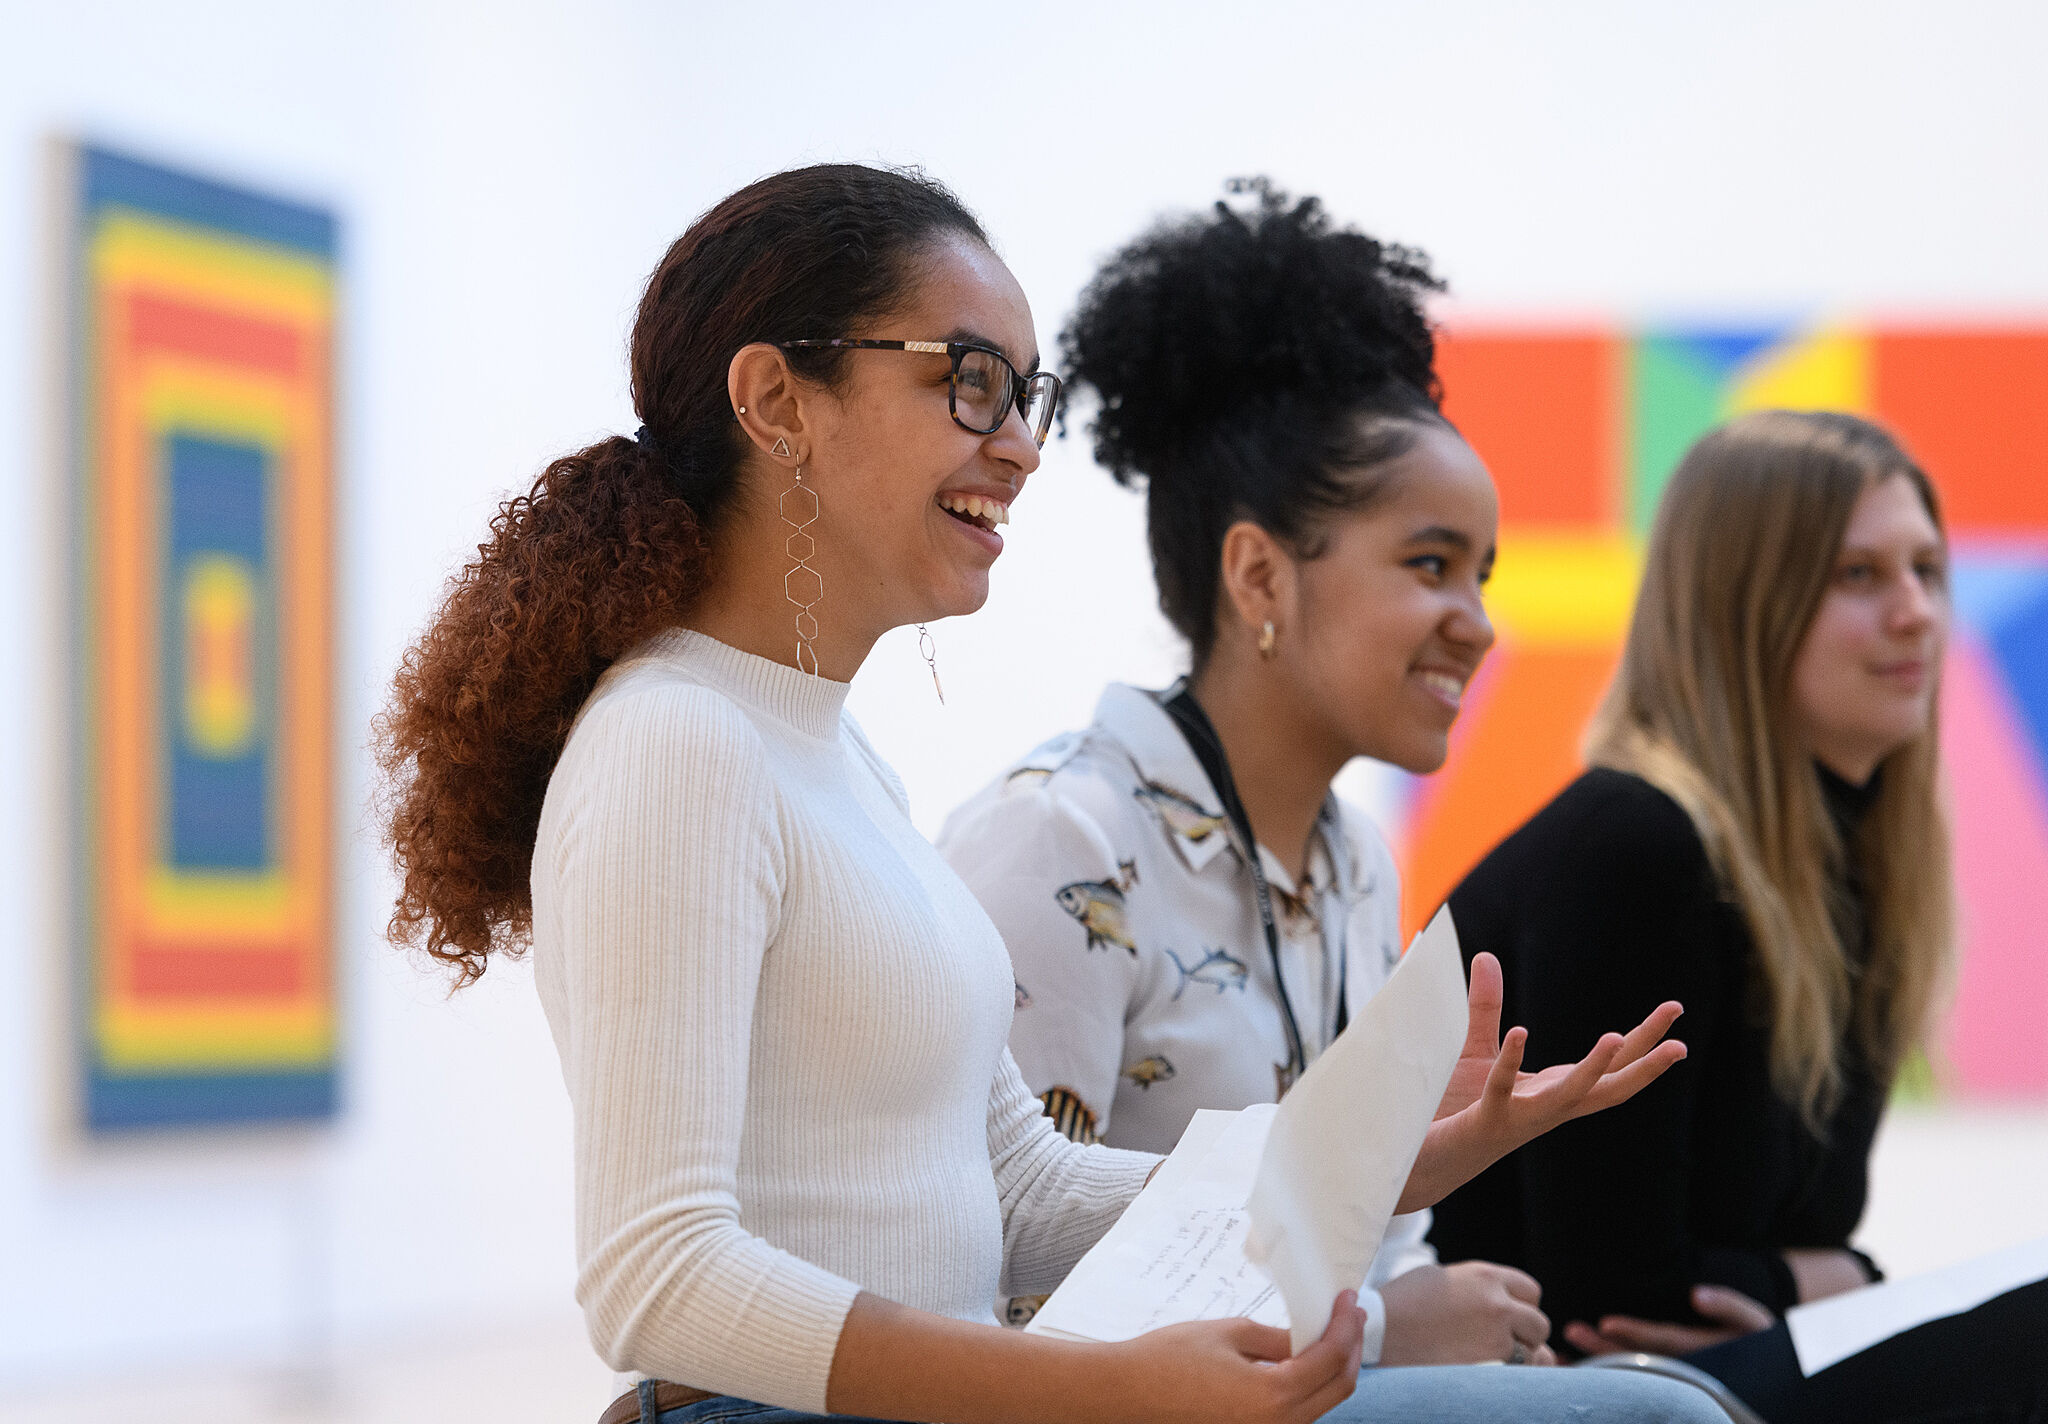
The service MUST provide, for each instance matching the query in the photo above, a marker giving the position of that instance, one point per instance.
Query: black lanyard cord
(1194, 724)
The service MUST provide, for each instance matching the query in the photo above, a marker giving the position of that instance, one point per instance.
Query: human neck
(1282, 764)
(747, 605)
(1855, 765)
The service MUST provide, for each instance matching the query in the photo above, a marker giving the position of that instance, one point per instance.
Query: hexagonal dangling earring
(929, 653)
(803, 585)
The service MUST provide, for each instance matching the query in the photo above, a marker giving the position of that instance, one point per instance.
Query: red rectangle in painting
(1544, 409)
(1967, 403)
(213, 334)
(165, 972)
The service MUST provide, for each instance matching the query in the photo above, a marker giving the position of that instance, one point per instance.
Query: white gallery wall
(506, 176)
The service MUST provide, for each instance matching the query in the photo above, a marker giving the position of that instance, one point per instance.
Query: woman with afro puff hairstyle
(1191, 913)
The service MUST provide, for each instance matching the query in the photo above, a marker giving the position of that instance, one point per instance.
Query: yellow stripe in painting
(238, 275)
(134, 1039)
(216, 400)
(1551, 589)
(187, 906)
(1828, 369)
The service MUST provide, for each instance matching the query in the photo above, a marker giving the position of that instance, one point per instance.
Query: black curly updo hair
(1257, 362)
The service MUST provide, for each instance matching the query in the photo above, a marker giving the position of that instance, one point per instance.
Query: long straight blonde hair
(1742, 554)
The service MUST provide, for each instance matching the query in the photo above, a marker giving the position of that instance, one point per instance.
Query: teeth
(1445, 684)
(975, 507)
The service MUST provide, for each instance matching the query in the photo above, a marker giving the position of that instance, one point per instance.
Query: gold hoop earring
(928, 650)
(1267, 637)
(803, 585)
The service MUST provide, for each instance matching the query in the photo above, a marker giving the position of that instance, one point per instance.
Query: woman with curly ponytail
(613, 543)
(805, 1161)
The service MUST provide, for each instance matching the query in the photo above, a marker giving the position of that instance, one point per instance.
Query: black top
(1600, 908)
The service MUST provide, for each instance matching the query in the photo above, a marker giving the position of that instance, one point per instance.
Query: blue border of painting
(109, 179)
(209, 1100)
(111, 1103)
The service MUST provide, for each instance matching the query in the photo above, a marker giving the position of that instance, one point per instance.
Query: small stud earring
(743, 410)
(1266, 639)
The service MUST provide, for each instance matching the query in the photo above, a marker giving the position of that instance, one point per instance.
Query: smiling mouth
(984, 514)
(1451, 689)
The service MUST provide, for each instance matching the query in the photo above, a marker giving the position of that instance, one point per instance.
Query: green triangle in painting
(1675, 395)
(1679, 380)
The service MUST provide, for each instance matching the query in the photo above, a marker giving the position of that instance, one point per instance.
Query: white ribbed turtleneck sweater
(782, 1022)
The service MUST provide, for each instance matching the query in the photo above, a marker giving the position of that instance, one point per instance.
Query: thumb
(1483, 996)
(1731, 1308)
(1260, 1342)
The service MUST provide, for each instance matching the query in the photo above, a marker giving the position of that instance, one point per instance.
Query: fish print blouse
(1145, 990)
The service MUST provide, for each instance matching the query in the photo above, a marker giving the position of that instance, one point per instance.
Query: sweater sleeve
(666, 894)
(1057, 1196)
(1015, 852)
(1403, 1248)
(1619, 912)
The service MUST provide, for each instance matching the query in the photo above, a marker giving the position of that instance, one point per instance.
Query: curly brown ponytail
(614, 543)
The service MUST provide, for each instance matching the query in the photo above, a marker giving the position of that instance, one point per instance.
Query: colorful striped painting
(1582, 428)
(202, 646)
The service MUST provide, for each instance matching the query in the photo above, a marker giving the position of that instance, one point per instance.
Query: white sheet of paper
(1343, 1140)
(1179, 1250)
(1827, 1332)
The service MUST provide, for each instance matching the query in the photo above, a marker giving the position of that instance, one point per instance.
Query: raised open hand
(1491, 1107)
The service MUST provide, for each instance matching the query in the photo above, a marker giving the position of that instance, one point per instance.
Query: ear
(769, 401)
(1259, 578)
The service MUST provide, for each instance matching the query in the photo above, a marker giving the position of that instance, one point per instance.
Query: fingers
(1339, 1389)
(1520, 1285)
(1625, 1083)
(1543, 1355)
(1507, 1066)
(1647, 1034)
(1334, 1355)
(1732, 1308)
(1528, 1324)
(1482, 1005)
(1588, 1341)
(1344, 1341)
(1570, 1091)
(1347, 1323)
(1657, 1337)
(1260, 1342)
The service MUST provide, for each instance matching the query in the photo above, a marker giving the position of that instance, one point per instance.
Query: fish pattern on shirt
(1218, 968)
(1099, 906)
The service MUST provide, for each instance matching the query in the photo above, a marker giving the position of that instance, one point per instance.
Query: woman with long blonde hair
(1760, 835)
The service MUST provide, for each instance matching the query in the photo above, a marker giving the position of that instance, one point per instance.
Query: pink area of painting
(1997, 1040)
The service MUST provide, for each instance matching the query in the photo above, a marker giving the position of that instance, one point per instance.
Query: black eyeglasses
(984, 385)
